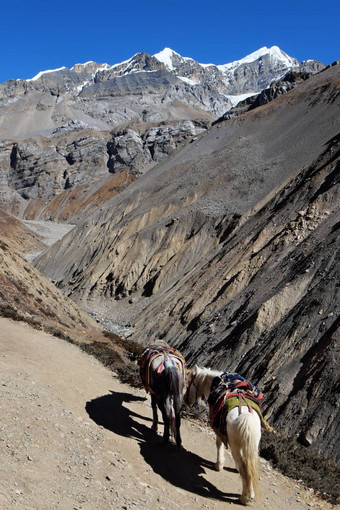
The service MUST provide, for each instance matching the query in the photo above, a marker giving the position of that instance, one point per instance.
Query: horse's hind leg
(177, 420)
(166, 411)
(154, 425)
(246, 495)
(220, 454)
(178, 434)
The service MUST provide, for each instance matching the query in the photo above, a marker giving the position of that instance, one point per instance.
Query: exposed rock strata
(36, 172)
(140, 151)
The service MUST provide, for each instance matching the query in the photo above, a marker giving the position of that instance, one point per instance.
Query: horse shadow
(179, 467)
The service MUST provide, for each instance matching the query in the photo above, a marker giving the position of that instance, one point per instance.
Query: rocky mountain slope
(55, 178)
(20, 237)
(65, 130)
(229, 250)
(276, 89)
(25, 294)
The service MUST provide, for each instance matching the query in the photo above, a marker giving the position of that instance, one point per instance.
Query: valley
(195, 203)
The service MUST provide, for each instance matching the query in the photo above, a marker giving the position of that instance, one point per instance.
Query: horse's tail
(248, 430)
(174, 381)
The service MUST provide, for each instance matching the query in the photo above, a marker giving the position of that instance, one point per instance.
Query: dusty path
(73, 437)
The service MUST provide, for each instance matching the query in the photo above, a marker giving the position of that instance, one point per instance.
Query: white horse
(243, 433)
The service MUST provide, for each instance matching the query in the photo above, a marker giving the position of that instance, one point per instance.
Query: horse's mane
(205, 373)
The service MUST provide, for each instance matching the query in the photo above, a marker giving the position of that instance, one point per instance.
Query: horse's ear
(195, 369)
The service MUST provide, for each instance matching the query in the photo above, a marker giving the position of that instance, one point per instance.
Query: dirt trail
(73, 437)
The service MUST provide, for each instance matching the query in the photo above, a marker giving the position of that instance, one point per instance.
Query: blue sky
(40, 35)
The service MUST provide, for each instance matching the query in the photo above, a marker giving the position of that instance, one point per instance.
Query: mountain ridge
(67, 99)
(166, 56)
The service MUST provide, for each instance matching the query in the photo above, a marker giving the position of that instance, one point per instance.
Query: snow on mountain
(165, 56)
(90, 66)
(262, 67)
(274, 53)
(186, 68)
(168, 55)
(234, 100)
(39, 75)
(187, 80)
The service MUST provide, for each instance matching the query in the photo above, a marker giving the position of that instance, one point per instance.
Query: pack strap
(242, 399)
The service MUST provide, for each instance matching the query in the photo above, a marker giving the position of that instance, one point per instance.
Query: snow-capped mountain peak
(167, 57)
(274, 53)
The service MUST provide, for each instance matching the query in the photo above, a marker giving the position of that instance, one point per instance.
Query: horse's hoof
(244, 500)
(154, 428)
(218, 467)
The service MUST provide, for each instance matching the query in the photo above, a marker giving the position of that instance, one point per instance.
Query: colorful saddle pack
(171, 357)
(229, 391)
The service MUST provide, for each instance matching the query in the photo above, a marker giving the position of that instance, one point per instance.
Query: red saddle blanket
(171, 357)
(229, 391)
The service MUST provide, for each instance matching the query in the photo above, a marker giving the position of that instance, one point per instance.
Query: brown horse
(162, 373)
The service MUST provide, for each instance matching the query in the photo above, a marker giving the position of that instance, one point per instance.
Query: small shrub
(301, 463)
(132, 348)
